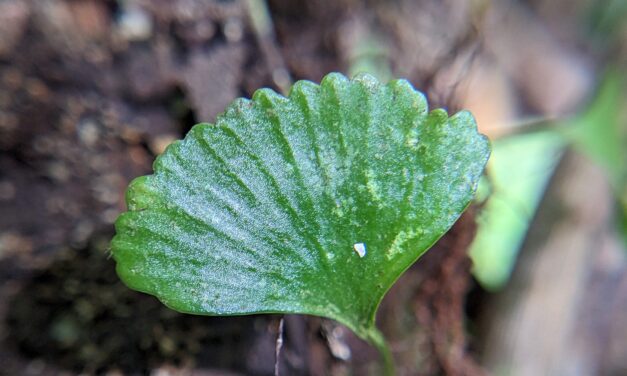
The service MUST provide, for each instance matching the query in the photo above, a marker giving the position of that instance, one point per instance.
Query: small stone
(135, 25)
(88, 132)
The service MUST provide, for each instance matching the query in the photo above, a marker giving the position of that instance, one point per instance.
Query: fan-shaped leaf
(311, 204)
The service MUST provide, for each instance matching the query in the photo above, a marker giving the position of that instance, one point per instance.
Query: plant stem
(263, 27)
(375, 337)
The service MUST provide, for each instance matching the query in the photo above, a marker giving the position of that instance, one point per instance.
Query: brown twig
(277, 349)
(263, 28)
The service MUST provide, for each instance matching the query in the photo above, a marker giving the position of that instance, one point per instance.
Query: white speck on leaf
(360, 248)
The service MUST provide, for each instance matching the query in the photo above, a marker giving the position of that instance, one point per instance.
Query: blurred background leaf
(517, 174)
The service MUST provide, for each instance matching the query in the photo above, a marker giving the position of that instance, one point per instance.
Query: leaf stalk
(375, 338)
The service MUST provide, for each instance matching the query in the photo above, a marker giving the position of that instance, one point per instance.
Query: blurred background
(531, 281)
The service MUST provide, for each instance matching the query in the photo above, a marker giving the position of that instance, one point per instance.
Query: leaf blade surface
(312, 204)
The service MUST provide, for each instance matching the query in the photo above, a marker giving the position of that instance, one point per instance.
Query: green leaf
(600, 132)
(312, 204)
(520, 168)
